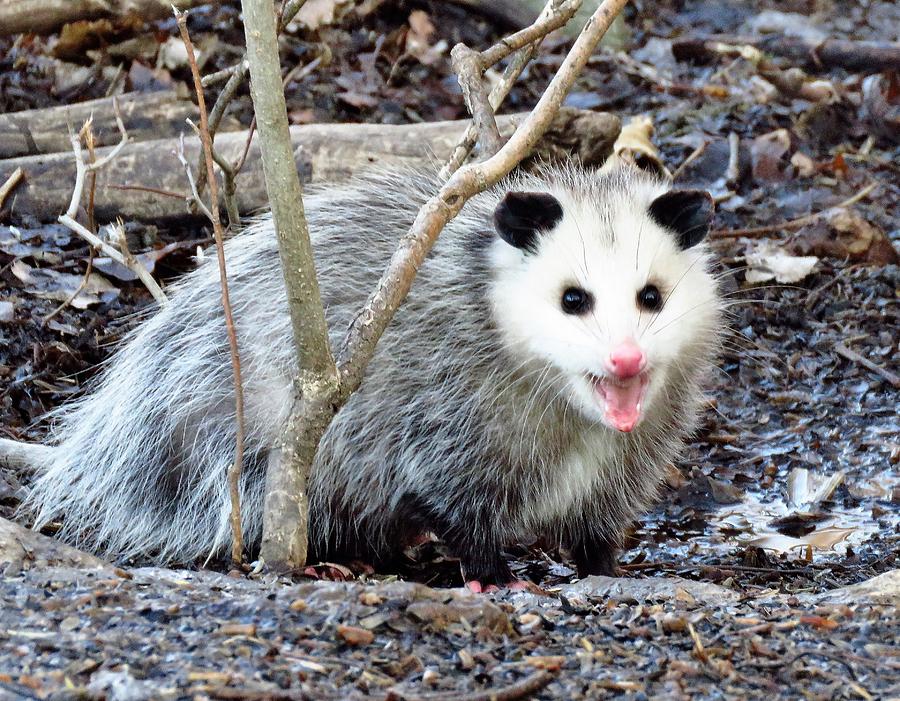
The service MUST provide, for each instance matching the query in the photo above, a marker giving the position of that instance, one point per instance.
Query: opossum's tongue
(623, 401)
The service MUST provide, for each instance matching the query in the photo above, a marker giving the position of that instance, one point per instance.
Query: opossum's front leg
(482, 563)
(594, 555)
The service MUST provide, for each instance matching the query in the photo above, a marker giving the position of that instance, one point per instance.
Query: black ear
(521, 216)
(687, 213)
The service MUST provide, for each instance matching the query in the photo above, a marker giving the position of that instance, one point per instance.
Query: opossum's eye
(650, 298)
(687, 213)
(521, 216)
(576, 301)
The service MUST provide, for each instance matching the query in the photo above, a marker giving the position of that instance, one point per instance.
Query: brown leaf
(418, 39)
(819, 622)
(551, 663)
(355, 636)
(318, 13)
(77, 37)
(846, 234)
(768, 155)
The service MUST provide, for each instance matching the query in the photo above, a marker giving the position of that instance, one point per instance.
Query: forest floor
(770, 567)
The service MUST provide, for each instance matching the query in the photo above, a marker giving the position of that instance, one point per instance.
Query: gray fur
(450, 431)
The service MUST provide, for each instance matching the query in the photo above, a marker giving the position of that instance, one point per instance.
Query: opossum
(538, 381)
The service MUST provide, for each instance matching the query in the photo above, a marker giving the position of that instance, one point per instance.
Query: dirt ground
(732, 588)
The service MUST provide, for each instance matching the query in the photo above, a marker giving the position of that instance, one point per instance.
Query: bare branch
(791, 224)
(369, 324)
(234, 474)
(285, 512)
(543, 25)
(498, 95)
(14, 179)
(179, 154)
(469, 70)
(82, 169)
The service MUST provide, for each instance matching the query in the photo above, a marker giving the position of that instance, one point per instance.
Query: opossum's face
(614, 296)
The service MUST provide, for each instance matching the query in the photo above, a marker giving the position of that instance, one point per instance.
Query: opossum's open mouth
(622, 399)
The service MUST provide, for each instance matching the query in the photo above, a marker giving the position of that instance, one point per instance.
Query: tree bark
(322, 153)
(285, 513)
(45, 16)
(151, 115)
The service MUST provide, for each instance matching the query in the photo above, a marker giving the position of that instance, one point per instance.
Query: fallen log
(23, 549)
(855, 56)
(45, 16)
(135, 184)
(151, 115)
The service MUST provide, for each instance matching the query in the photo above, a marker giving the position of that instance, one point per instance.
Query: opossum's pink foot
(475, 586)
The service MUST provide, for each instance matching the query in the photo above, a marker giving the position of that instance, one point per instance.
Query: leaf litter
(790, 491)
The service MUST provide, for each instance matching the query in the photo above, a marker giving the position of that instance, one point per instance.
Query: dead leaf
(173, 54)
(358, 99)
(767, 154)
(881, 105)
(824, 539)
(355, 636)
(846, 234)
(319, 13)
(149, 259)
(806, 166)
(75, 38)
(51, 284)
(769, 262)
(805, 489)
(819, 622)
(419, 37)
(635, 147)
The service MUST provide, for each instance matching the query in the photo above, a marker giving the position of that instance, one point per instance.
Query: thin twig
(541, 28)
(234, 473)
(235, 76)
(243, 159)
(71, 297)
(792, 224)
(154, 190)
(694, 155)
(469, 72)
(855, 357)
(732, 172)
(198, 201)
(498, 94)
(68, 219)
(10, 183)
(518, 690)
(228, 175)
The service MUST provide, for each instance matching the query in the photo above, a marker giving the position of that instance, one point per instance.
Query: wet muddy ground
(790, 490)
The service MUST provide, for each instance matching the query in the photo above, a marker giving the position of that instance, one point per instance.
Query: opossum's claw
(475, 586)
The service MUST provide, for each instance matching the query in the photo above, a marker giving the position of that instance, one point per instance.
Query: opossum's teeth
(622, 400)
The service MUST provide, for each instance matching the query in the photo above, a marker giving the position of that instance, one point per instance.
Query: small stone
(69, 623)
(370, 598)
(430, 677)
(297, 605)
(248, 629)
(355, 636)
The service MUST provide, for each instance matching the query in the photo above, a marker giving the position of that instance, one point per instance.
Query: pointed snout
(626, 360)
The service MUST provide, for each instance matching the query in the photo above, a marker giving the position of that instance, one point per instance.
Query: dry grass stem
(234, 473)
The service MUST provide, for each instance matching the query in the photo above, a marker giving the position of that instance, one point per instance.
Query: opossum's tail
(24, 457)
(137, 468)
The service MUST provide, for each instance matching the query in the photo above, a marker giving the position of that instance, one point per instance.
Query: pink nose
(627, 359)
